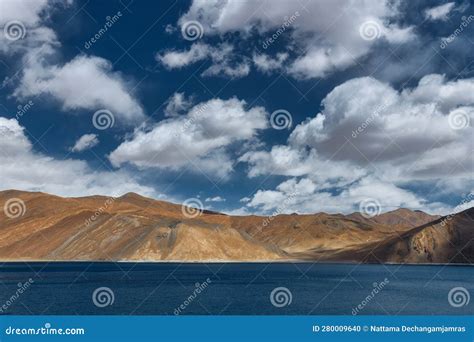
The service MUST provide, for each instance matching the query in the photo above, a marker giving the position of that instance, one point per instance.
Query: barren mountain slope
(132, 227)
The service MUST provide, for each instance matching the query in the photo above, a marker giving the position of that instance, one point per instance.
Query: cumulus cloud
(22, 25)
(85, 142)
(341, 33)
(221, 57)
(303, 196)
(439, 12)
(369, 131)
(197, 140)
(24, 169)
(86, 82)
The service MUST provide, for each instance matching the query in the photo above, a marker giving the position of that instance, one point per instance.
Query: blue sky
(380, 96)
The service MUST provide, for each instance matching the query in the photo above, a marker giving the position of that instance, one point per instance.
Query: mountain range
(43, 227)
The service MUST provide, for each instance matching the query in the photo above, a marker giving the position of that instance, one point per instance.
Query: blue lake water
(233, 289)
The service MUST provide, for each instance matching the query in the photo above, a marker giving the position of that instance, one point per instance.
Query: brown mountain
(132, 227)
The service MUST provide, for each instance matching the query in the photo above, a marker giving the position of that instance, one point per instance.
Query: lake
(81, 288)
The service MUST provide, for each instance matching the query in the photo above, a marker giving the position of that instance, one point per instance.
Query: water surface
(233, 288)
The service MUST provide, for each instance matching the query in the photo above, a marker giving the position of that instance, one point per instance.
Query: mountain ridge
(132, 227)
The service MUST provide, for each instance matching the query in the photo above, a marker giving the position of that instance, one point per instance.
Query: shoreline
(288, 261)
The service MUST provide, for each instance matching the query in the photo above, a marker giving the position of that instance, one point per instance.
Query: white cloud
(304, 196)
(267, 64)
(177, 104)
(220, 55)
(85, 142)
(28, 16)
(439, 12)
(198, 139)
(369, 133)
(215, 199)
(332, 40)
(24, 169)
(178, 59)
(83, 83)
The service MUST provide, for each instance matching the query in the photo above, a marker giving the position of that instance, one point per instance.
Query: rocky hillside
(38, 226)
